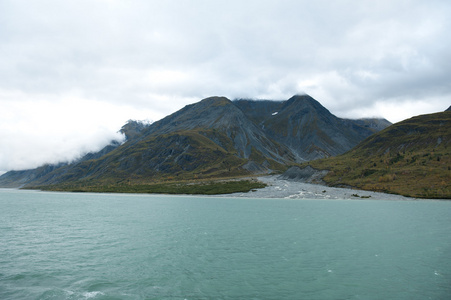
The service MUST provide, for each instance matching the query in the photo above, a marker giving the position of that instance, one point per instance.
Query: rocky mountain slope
(411, 158)
(308, 129)
(213, 138)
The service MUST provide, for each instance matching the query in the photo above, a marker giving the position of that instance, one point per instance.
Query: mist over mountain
(212, 138)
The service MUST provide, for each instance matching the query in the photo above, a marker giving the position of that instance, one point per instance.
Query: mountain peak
(133, 128)
(215, 101)
(304, 100)
(301, 97)
(303, 108)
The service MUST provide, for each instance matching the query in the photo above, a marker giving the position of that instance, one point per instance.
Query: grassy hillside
(168, 187)
(410, 158)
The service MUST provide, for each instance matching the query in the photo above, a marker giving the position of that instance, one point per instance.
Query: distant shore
(252, 187)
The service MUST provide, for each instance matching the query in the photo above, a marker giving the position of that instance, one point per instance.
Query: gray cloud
(358, 58)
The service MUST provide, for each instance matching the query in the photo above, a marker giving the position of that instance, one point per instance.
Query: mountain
(212, 138)
(410, 158)
(229, 126)
(308, 129)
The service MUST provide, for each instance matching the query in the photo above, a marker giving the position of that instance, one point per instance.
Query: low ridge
(410, 158)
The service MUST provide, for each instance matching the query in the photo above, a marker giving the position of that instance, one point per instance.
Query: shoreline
(278, 188)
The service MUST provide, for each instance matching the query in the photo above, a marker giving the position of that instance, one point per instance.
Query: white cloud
(399, 109)
(50, 130)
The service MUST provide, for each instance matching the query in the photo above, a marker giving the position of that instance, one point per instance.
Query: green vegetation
(410, 158)
(203, 187)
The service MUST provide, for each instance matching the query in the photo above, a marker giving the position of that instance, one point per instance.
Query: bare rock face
(307, 174)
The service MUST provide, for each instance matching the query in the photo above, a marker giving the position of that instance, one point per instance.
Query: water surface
(103, 246)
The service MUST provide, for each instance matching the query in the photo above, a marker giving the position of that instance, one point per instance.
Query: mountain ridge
(215, 137)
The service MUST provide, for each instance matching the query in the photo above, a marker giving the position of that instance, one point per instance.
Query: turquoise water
(103, 246)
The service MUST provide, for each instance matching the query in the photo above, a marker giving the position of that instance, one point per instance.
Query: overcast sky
(73, 72)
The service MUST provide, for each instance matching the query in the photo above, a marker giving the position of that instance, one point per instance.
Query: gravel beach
(287, 189)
